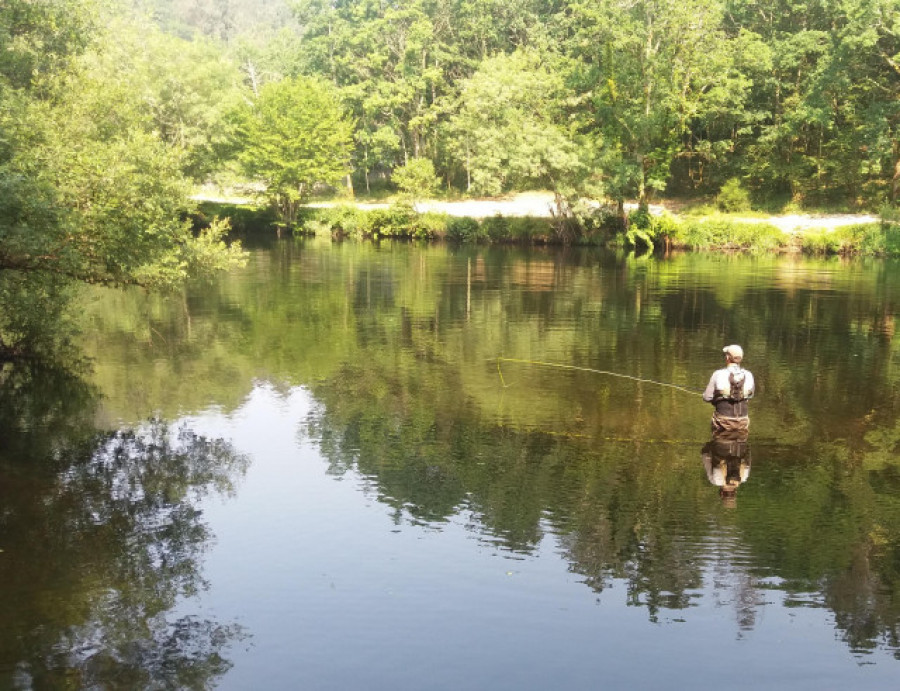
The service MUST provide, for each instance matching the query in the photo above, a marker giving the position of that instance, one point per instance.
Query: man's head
(733, 353)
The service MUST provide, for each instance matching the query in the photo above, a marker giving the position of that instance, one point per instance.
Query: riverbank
(542, 205)
(530, 218)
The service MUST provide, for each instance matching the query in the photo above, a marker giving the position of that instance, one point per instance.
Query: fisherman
(729, 390)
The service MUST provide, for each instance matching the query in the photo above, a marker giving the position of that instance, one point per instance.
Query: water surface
(316, 473)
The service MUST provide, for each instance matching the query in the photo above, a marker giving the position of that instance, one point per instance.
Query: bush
(733, 197)
(598, 222)
(730, 235)
(819, 241)
(343, 220)
(314, 226)
(529, 228)
(891, 239)
(496, 228)
(431, 225)
(640, 232)
(463, 229)
(516, 228)
(861, 238)
(398, 220)
(243, 219)
(417, 178)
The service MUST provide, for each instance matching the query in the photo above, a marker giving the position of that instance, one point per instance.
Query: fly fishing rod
(559, 365)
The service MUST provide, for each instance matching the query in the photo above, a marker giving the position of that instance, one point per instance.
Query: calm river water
(317, 474)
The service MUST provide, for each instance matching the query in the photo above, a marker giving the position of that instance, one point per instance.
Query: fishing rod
(559, 365)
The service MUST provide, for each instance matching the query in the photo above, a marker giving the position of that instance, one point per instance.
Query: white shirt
(719, 382)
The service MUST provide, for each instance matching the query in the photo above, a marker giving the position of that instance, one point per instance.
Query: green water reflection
(398, 346)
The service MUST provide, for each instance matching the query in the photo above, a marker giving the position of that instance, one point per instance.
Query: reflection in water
(398, 344)
(726, 459)
(100, 537)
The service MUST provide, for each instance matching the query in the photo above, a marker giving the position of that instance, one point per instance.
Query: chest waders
(732, 413)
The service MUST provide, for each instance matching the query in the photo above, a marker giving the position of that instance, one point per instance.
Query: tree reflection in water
(811, 529)
(101, 536)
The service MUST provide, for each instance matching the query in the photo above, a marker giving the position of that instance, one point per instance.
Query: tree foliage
(293, 136)
(509, 128)
(92, 189)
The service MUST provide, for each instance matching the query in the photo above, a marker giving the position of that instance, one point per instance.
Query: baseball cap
(734, 351)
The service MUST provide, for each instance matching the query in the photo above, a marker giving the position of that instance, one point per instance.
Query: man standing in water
(728, 390)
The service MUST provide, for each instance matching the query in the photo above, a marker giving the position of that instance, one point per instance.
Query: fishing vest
(731, 396)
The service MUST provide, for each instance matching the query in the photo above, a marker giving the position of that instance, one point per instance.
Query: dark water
(313, 475)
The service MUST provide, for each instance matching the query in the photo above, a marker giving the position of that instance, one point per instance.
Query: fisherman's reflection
(726, 459)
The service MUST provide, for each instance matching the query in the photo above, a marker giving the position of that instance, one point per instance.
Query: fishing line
(560, 365)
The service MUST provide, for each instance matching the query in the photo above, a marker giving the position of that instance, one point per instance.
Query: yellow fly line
(560, 365)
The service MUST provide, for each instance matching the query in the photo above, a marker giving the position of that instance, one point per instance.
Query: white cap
(734, 351)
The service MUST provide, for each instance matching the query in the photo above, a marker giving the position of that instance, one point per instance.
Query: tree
(510, 129)
(416, 179)
(293, 136)
(397, 65)
(643, 70)
(91, 191)
(186, 87)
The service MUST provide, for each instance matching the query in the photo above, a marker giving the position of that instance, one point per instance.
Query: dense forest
(618, 98)
(622, 98)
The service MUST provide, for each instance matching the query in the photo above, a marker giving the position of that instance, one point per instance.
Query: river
(318, 472)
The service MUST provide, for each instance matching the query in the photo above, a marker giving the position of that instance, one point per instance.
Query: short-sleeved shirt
(719, 389)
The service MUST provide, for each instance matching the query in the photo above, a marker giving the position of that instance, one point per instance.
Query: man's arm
(710, 389)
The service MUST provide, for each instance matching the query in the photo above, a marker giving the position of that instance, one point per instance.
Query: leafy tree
(644, 68)
(386, 60)
(92, 192)
(40, 37)
(293, 136)
(186, 87)
(510, 127)
(416, 179)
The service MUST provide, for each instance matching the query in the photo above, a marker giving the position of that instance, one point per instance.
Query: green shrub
(431, 225)
(243, 219)
(724, 234)
(462, 229)
(416, 178)
(891, 239)
(496, 228)
(344, 220)
(819, 241)
(667, 227)
(398, 220)
(861, 238)
(315, 226)
(641, 232)
(889, 214)
(733, 197)
(529, 228)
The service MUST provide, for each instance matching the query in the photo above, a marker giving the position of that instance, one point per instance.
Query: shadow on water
(99, 539)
